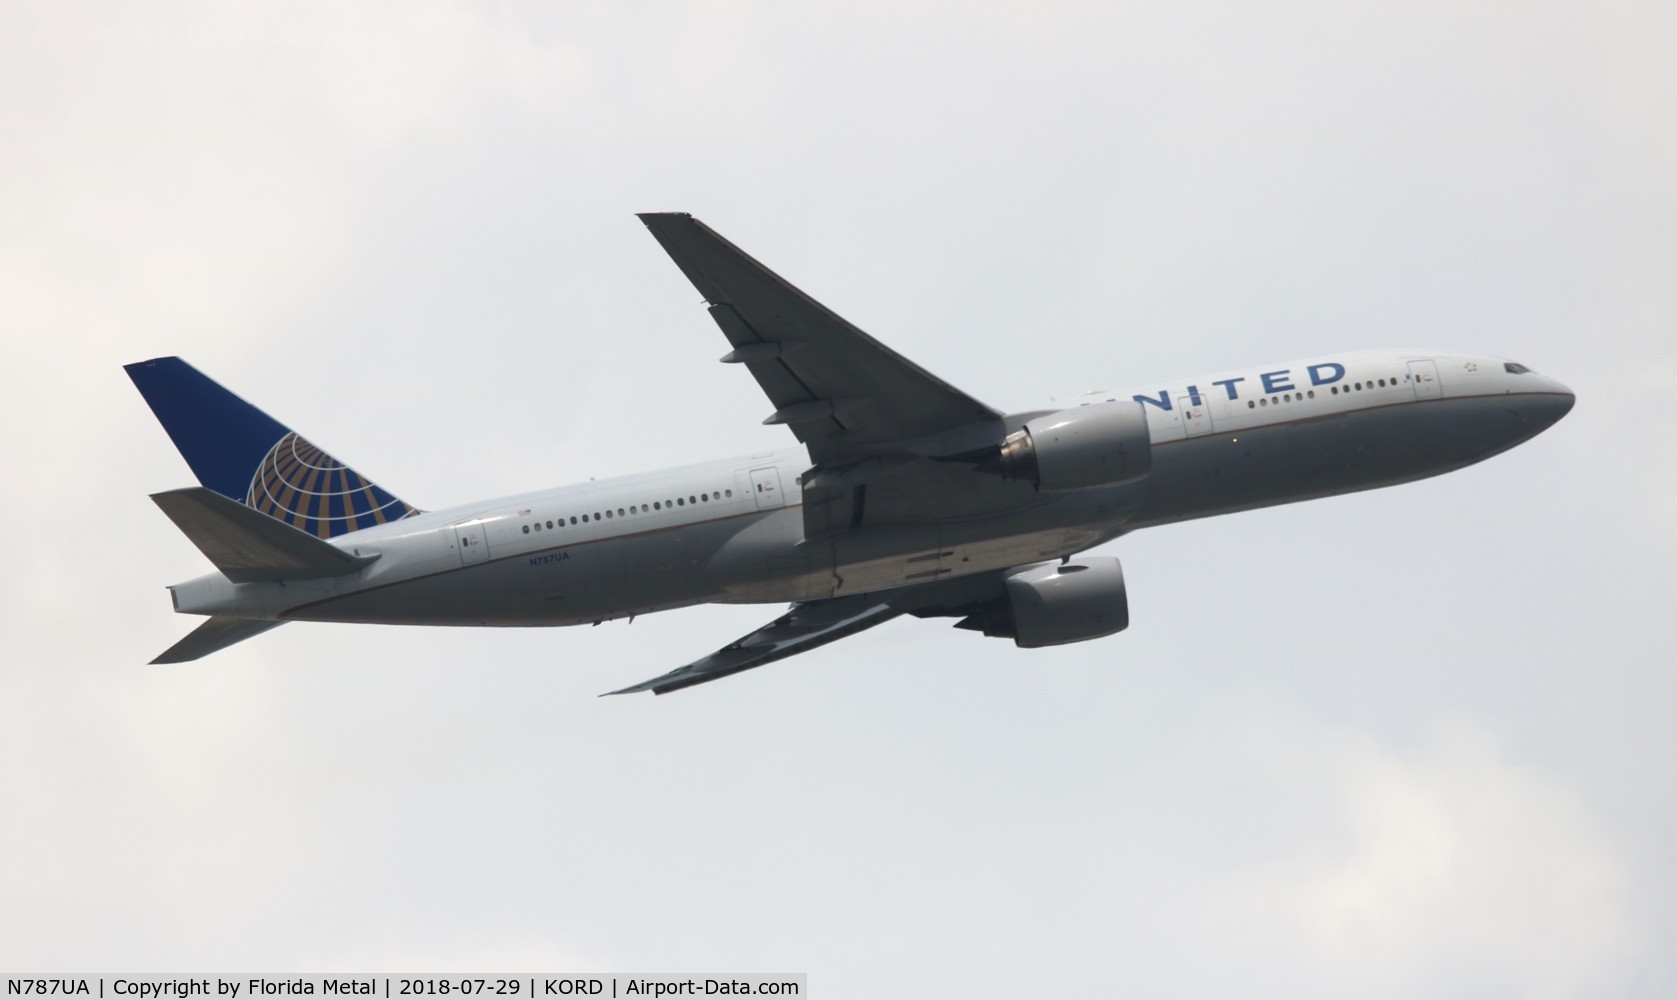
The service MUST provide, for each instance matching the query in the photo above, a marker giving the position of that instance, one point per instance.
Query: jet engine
(1051, 604)
(1100, 445)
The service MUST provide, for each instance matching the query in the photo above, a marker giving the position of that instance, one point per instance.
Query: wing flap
(249, 546)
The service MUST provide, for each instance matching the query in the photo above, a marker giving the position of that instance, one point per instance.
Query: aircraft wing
(810, 624)
(804, 627)
(844, 394)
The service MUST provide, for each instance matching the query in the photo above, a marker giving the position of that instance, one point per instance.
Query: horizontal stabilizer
(249, 546)
(219, 632)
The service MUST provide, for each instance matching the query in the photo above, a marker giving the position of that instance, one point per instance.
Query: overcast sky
(1411, 742)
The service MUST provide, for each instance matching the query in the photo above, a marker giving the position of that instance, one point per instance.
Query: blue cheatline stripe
(242, 453)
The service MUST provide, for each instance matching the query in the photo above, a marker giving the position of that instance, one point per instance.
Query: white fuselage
(734, 530)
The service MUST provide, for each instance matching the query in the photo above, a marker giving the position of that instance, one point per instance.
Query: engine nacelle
(1100, 445)
(1051, 604)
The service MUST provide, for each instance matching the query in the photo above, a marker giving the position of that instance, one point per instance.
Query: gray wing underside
(843, 393)
(812, 624)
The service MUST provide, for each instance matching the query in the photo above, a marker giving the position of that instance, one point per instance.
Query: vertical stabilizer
(242, 453)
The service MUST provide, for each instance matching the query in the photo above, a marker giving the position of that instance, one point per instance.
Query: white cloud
(1459, 866)
(1343, 863)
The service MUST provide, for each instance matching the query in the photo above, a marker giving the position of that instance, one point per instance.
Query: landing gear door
(765, 485)
(1424, 376)
(1196, 417)
(473, 539)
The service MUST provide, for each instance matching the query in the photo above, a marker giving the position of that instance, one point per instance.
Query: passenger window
(680, 501)
(596, 515)
(705, 497)
(550, 524)
(526, 529)
(730, 493)
(1334, 389)
(657, 506)
(573, 518)
(585, 519)
(1263, 402)
(643, 508)
(538, 526)
(1312, 394)
(608, 513)
(1250, 405)
(691, 500)
(620, 512)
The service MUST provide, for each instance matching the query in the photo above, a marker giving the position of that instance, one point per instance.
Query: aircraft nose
(1565, 398)
(1556, 403)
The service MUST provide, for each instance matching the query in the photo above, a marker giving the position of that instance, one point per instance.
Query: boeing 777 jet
(904, 496)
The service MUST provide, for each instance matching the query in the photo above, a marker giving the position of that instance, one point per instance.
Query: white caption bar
(499, 986)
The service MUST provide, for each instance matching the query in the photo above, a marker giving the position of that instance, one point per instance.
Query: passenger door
(1196, 417)
(765, 485)
(1424, 376)
(473, 539)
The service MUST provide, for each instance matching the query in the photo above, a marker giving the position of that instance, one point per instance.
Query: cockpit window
(1514, 368)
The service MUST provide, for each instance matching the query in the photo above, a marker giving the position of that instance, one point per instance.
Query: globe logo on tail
(308, 489)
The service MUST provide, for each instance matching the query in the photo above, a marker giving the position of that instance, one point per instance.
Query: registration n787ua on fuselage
(904, 495)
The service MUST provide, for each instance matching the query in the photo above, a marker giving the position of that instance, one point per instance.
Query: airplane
(905, 496)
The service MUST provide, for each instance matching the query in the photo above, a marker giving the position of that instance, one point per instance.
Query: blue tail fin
(242, 453)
